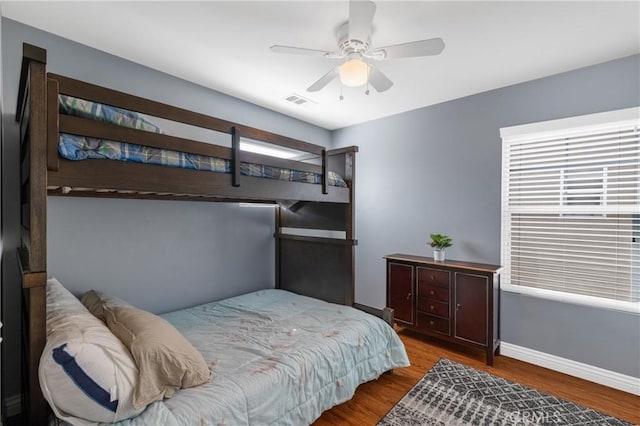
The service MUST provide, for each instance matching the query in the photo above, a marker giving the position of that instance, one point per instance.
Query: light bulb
(354, 73)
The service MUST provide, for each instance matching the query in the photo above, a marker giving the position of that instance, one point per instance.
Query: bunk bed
(321, 267)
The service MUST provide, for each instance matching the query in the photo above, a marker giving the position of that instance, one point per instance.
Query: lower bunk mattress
(277, 358)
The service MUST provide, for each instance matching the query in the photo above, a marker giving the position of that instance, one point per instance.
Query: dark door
(400, 291)
(471, 292)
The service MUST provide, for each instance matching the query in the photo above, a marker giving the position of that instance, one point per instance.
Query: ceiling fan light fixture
(354, 73)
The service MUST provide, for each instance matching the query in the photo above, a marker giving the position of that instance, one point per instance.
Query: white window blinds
(571, 207)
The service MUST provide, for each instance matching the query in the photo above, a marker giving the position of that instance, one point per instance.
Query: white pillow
(86, 374)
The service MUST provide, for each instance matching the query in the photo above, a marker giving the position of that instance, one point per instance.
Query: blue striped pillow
(86, 373)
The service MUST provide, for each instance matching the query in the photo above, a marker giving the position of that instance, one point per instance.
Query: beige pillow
(95, 301)
(166, 360)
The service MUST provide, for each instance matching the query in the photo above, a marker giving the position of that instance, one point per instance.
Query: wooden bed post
(325, 174)
(235, 156)
(31, 113)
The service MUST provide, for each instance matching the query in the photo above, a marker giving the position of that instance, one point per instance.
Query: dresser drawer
(433, 307)
(433, 277)
(433, 323)
(433, 292)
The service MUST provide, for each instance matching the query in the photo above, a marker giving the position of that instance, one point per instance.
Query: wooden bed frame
(319, 267)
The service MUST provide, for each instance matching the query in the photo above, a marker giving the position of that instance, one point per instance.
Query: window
(571, 209)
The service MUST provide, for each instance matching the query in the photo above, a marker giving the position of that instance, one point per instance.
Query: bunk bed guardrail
(185, 182)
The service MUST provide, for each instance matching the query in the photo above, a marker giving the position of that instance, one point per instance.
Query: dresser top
(483, 267)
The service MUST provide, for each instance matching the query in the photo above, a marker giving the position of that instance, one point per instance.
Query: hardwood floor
(374, 399)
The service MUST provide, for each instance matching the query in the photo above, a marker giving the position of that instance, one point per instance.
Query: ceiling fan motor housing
(351, 47)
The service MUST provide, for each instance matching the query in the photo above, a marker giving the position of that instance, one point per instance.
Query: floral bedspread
(277, 358)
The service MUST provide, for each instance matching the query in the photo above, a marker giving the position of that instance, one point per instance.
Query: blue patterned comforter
(74, 147)
(277, 358)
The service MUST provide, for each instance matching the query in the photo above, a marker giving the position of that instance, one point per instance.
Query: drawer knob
(430, 322)
(433, 278)
(458, 306)
(431, 292)
(431, 307)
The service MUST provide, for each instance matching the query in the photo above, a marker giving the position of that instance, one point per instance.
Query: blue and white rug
(454, 394)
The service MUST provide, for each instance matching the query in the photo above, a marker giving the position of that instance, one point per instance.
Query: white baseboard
(573, 368)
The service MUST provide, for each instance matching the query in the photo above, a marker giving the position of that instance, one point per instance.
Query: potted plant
(440, 242)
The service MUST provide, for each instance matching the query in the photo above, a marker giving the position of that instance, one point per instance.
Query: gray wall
(438, 169)
(160, 255)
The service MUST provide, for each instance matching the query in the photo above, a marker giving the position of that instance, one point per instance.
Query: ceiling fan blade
(429, 47)
(323, 81)
(379, 81)
(303, 51)
(360, 19)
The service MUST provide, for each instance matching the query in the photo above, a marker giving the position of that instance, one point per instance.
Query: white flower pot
(438, 255)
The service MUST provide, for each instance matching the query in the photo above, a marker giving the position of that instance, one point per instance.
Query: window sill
(576, 299)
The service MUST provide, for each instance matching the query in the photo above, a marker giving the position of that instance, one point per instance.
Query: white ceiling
(225, 46)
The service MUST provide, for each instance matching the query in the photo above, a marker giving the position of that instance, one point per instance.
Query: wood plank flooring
(374, 399)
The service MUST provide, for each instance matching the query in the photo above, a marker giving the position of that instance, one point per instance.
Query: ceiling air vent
(299, 100)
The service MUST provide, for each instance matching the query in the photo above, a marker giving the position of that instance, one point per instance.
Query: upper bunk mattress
(276, 358)
(74, 147)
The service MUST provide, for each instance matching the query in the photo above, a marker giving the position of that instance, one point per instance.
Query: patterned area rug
(454, 394)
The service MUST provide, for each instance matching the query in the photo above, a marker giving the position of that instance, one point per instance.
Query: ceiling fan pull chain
(366, 92)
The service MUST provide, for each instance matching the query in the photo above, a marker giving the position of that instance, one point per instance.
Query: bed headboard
(314, 238)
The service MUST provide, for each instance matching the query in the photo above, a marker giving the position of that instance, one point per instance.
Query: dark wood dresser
(450, 300)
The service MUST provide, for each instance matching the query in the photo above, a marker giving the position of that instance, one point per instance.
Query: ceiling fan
(354, 45)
